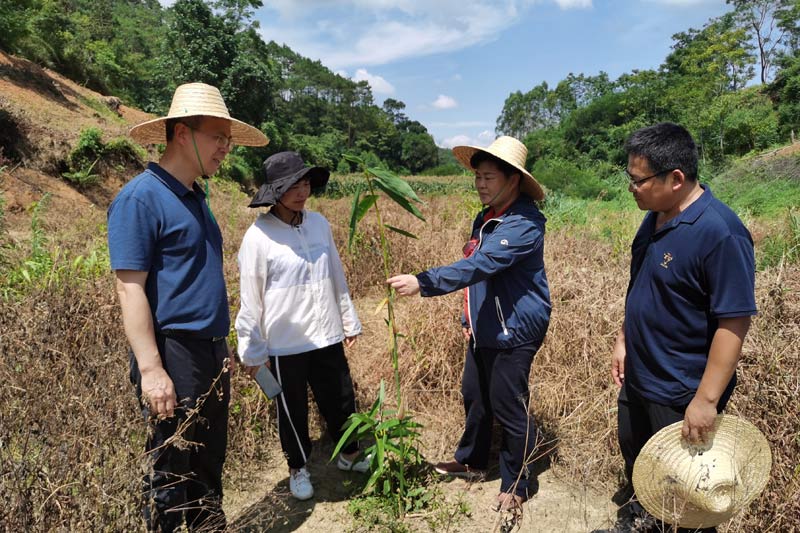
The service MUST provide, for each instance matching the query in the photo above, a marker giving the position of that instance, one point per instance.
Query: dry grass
(71, 437)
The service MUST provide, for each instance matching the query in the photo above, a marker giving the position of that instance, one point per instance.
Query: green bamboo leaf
(373, 479)
(387, 424)
(392, 448)
(344, 440)
(379, 445)
(400, 231)
(399, 199)
(354, 159)
(364, 205)
(391, 181)
(354, 217)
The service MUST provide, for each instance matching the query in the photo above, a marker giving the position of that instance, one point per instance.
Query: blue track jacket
(508, 295)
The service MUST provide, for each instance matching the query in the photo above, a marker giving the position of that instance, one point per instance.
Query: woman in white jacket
(296, 315)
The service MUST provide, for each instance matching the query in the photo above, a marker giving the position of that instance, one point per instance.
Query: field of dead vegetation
(71, 437)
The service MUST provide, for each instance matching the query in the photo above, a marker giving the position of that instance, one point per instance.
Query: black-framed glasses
(222, 141)
(633, 182)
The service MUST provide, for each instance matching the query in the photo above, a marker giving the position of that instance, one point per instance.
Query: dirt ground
(266, 504)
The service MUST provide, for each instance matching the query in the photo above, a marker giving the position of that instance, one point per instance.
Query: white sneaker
(361, 466)
(300, 484)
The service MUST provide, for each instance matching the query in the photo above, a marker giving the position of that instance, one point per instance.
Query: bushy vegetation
(91, 154)
(72, 436)
(702, 84)
(140, 51)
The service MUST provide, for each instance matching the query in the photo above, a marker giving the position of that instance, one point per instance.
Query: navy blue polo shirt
(157, 225)
(695, 269)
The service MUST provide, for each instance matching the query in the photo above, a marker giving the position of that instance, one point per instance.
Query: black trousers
(495, 385)
(638, 419)
(328, 374)
(184, 479)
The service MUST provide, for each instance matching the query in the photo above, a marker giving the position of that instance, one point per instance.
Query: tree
(13, 23)
(201, 44)
(763, 18)
(419, 152)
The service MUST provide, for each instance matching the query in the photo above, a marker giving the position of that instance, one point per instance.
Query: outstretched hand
(404, 284)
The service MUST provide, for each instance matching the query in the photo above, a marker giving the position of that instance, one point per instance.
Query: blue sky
(454, 62)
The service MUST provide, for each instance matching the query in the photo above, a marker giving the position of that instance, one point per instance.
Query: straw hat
(195, 99)
(512, 152)
(705, 485)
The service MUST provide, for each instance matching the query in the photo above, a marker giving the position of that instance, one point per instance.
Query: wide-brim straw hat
(699, 486)
(197, 99)
(281, 171)
(512, 152)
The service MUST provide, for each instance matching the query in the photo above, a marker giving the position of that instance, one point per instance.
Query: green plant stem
(389, 296)
(392, 334)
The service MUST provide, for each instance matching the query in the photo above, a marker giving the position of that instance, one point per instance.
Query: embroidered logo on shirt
(667, 259)
(504, 242)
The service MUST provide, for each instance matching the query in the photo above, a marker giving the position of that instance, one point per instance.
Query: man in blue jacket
(506, 314)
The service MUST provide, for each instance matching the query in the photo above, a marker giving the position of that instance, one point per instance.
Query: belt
(186, 334)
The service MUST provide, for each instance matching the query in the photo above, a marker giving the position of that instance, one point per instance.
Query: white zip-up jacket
(294, 295)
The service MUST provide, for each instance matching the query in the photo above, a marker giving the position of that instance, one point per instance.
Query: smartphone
(267, 382)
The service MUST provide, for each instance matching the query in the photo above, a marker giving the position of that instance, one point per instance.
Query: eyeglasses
(222, 141)
(636, 182)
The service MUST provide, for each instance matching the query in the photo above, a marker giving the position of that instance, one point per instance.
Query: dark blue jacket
(508, 296)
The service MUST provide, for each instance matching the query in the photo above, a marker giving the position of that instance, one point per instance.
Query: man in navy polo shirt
(688, 307)
(166, 251)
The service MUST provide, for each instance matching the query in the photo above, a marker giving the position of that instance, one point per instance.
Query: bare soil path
(266, 504)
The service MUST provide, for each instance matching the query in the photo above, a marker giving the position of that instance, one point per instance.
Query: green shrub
(566, 177)
(448, 169)
(91, 151)
(87, 151)
(782, 246)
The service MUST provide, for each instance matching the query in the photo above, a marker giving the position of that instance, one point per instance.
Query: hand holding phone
(269, 385)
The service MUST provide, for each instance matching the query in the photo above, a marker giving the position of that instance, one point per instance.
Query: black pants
(326, 371)
(495, 385)
(639, 419)
(185, 481)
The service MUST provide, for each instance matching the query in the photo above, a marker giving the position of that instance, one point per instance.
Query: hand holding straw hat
(697, 486)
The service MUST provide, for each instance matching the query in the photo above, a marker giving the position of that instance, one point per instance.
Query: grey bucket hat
(281, 171)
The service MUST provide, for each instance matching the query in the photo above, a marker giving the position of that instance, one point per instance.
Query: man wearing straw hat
(506, 314)
(166, 251)
(688, 306)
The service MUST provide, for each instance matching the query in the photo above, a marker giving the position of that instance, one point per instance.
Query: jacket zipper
(307, 255)
(469, 308)
(500, 315)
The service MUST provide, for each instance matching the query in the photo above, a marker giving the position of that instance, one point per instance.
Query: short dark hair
(665, 146)
(194, 122)
(480, 156)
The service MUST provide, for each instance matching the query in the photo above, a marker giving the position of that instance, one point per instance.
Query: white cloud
(574, 4)
(378, 83)
(484, 139)
(346, 33)
(445, 102)
(683, 3)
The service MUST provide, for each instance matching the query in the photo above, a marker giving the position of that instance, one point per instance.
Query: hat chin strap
(205, 176)
(199, 159)
(501, 191)
(297, 216)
